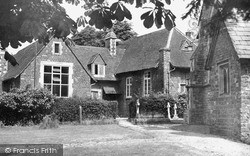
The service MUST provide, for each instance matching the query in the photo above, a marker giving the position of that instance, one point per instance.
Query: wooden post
(137, 108)
(80, 114)
(169, 111)
(175, 112)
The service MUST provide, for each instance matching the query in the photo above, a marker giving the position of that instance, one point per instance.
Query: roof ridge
(178, 30)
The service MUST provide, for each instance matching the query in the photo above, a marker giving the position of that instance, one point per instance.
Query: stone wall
(245, 101)
(31, 76)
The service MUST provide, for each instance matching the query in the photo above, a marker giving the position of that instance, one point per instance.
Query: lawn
(71, 136)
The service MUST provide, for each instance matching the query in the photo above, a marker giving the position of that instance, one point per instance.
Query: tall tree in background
(123, 30)
(89, 36)
(25, 20)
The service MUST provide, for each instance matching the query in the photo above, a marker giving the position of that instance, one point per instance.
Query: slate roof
(239, 32)
(143, 52)
(86, 53)
(24, 57)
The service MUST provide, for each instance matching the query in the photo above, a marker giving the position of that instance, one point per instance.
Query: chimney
(189, 34)
(164, 66)
(110, 42)
(164, 63)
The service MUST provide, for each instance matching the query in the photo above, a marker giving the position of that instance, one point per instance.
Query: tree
(89, 36)
(24, 20)
(123, 30)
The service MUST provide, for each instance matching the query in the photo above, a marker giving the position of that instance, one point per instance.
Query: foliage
(49, 121)
(123, 30)
(24, 106)
(25, 20)
(89, 36)
(68, 109)
(157, 103)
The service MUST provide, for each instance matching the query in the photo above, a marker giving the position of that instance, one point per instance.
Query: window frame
(179, 89)
(93, 68)
(221, 78)
(57, 64)
(59, 48)
(128, 86)
(207, 80)
(99, 91)
(147, 81)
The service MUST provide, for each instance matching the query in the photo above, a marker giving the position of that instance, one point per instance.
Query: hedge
(67, 110)
(157, 103)
(24, 106)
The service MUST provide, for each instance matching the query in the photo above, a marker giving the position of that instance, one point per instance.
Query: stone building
(155, 62)
(219, 87)
(115, 72)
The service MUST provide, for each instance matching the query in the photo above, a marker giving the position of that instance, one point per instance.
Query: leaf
(158, 19)
(168, 23)
(149, 21)
(114, 6)
(168, 2)
(80, 21)
(100, 1)
(127, 13)
(159, 4)
(129, 1)
(145, 15)
(119, 14)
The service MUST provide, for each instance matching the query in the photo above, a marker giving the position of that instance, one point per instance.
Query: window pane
(47, 69)
(96, 69)
(47, 78)
(56, 79)
(65, 79)
(56, 48)
(101, 70)
(65, 70)
(56, 69)
(64, 91)
(56, 90)
(95, 94)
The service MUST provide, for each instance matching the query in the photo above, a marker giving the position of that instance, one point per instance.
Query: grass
(65, 134)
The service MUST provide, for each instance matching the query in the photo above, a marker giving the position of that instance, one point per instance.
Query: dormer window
(186, 46)
(98, 70)
(57, 48)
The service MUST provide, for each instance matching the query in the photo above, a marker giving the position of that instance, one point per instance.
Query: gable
(239, 32)
(40, 52)
(97, 59)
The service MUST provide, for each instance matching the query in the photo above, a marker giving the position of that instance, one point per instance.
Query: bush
(25, 106)
(68, 109)
(157, 103)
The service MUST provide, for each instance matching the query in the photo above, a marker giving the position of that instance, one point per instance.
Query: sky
(178, 7)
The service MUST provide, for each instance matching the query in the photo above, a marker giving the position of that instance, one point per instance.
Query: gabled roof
(86, 53)
(24, 57)
(94, 57)
(143, 51)
(239, 32)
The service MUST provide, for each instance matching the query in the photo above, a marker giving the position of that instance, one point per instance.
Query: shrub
(68, 109)
(157, 103)
(25, 106)
(49, 121)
